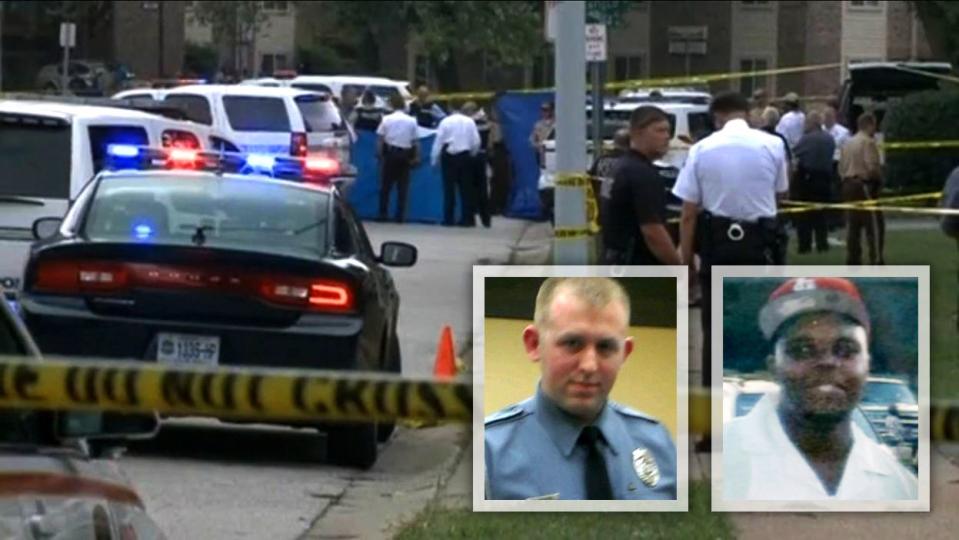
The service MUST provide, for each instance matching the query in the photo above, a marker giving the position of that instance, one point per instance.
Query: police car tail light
(182, 158)
(322, 165)
(315, 295)
(298, 145)
(72, 277)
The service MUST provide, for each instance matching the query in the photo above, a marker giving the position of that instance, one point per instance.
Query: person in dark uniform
(367, 116)
(570, 441)
(735, 176)
(500, 164)
(603, 172)
(480, 180)
(457, 142)
(427, 113)
(637, 231)
(399, 151)
(813, 182)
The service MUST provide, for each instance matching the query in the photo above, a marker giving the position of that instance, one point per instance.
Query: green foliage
(201, 60)
(232, 20)
(925, 116)
(940, 20)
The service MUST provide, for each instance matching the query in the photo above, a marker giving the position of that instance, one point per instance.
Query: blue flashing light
(261, 162)
(123, 150)
(143, 231)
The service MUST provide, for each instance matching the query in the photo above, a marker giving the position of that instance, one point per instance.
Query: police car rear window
(248, 113)
(233, 213)
(34, 157)
(197, 108)
(313, 87)
(319, 114)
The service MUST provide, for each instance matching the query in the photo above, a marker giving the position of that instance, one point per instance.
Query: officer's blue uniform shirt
(531, 452)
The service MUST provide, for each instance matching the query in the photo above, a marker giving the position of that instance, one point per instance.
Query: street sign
(595, 42)
(68, 34)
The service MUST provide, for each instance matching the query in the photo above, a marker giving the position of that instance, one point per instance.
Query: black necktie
(597, 479)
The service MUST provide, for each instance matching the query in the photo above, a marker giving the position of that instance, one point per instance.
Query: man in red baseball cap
(800, 444)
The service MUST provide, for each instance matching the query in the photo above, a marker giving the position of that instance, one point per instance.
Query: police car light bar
(123, 150)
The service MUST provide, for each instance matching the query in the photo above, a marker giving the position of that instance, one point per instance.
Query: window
(319, 114)
(700, 125)
(628, 67)
(222, 145)
(197, 108)
(36, 158)
(103, 136)
(748, 84)
(275, 6)
(256, 114)
(313, 87)
(271, 63)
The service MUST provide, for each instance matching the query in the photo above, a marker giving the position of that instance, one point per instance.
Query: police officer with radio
(729, 187)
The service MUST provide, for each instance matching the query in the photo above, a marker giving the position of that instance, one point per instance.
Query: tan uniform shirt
(859, 158)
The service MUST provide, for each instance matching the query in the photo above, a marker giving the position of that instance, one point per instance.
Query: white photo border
(680, 273)
(921, 274)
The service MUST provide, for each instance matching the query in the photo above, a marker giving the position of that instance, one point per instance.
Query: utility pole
(1, 46)
(570, 202)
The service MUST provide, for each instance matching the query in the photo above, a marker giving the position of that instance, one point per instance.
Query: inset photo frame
(580, 370)
(820, 393)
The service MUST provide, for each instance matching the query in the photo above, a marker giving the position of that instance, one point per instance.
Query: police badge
(645, 466)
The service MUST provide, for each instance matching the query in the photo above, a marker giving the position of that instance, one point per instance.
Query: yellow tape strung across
(230, 392)
(570, 233)
(873, 202)
(918, 145)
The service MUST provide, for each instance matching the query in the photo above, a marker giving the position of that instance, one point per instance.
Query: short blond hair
(596, 292)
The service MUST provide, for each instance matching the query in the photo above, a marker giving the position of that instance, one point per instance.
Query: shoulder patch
(509, 413)
(626, 411)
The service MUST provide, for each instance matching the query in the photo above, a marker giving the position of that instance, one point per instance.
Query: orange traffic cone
(445, 365)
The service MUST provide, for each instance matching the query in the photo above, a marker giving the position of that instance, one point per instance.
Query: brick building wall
(136, 37)
(716, 16)
(823, 34)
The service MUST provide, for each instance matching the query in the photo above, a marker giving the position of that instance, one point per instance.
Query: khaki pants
(854, 190)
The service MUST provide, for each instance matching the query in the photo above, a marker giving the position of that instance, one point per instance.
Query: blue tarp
(518, 114)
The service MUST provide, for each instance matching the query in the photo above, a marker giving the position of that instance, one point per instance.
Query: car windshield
(887, 393)
(235, 212)
(319, 114)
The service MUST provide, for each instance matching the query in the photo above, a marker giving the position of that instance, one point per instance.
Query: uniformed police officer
(367, 116)
(569, 441)
(480, 179)
(735, 176)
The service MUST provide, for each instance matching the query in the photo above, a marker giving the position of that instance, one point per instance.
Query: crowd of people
(468, 149)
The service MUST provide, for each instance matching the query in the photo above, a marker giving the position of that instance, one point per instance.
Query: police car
(51, 150)
(206, 259)
(51, 485)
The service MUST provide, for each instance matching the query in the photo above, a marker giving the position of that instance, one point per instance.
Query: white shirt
(760, 463)
(839, 134)
(398, 129)
(459, 132)
(791, 126)
(735, 172)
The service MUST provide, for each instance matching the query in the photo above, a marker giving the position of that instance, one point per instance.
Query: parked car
(382, 87)
(56, 485)
(872, 85)
(51, 150)
(202, 267)
(86, 77)
(881, 394)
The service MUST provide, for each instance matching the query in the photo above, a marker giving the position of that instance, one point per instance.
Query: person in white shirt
(457, 142)
(800, 443)
(792, 125)
(840, 134)
(838, 131)
(735, 176)
(398, 149)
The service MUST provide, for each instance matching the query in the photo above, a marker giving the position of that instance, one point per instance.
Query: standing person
(367, 116)
(499, 161)
(542, 131)
(861, 174)
(839, 134)
(427, 113)
(792, 124)
(813, 182)
(770, 118)
(950, 224)
(398, 148)
(348, 101)
(637, 210)
(801, 443)
(735, 176)
(570, 441)
(759, 103)
(603, 173)
(480, 179)
(457, 141)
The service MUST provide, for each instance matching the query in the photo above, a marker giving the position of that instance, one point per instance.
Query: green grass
(922, 247)
(699, 522)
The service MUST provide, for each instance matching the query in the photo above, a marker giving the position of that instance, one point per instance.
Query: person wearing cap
(800, 443)
(569, 440)
(793, 122)
(729, 186)
(860, 169)
(457, 142)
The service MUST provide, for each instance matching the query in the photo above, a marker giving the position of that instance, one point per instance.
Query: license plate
(188, 350)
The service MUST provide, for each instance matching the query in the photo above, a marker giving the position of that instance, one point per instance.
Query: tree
(508, 33)
(234, 24)
(940, 20)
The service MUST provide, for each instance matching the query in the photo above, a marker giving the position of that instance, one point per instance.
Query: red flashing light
(322, 165)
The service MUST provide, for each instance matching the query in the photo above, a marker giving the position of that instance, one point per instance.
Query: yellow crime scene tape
(231, 392)
(585, 181)
(918, 145)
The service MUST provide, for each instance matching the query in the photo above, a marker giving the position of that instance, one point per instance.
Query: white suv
(51, 150)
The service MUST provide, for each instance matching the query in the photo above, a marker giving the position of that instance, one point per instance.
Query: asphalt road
(203, 479)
